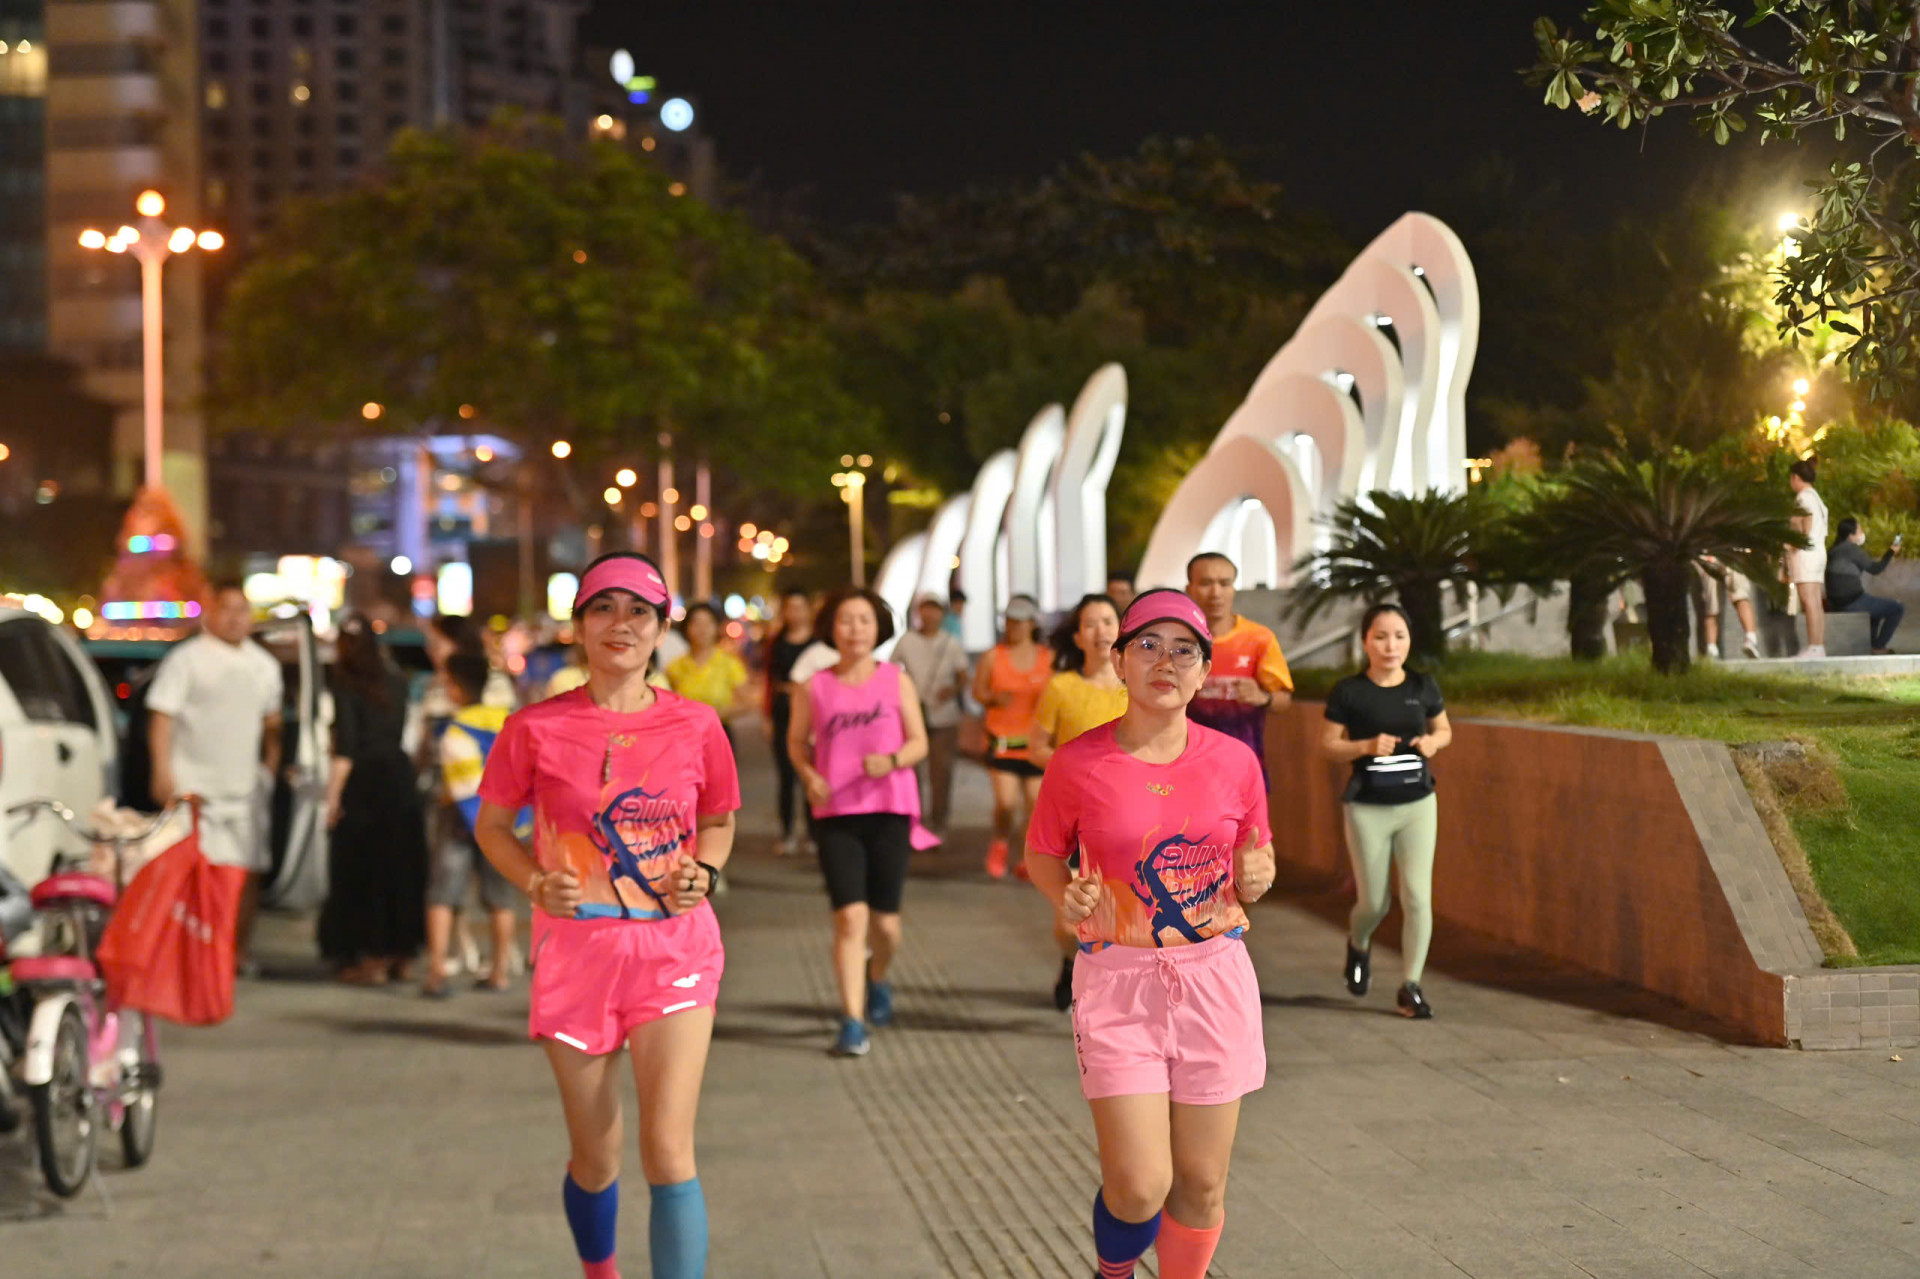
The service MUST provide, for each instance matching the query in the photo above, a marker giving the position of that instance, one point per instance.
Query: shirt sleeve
(1272, 673)
(1430, 700)
(1253, 794)
(507, 781)
(1338, 712)
(172, 684)
(273, 687)
(720, 788)
(1046, 712)
(1053, 829)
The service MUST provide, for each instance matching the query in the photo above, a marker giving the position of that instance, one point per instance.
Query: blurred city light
(400, 565)
(150, 204)
(626, 478)
(612, 495)
(212, 241)
(562, 449)
(370, 410)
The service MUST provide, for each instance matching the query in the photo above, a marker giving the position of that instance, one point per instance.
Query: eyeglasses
(1153, 648)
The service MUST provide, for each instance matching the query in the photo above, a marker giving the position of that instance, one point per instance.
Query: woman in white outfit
(1807, 570)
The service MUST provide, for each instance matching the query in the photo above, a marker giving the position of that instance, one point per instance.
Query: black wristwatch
(713, 876)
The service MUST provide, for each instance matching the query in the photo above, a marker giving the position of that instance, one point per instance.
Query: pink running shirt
(1162, 836)
(851, 722)
(669, 765)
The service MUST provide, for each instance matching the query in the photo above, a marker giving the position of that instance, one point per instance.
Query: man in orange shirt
(1250, 679)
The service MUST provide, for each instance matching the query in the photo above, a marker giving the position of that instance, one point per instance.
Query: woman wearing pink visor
(1169, 819)
(633, 790)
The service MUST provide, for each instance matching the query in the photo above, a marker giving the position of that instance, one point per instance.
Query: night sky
(1355, 108)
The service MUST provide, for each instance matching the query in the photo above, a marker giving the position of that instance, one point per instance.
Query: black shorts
(1017, 767)
(864, 857)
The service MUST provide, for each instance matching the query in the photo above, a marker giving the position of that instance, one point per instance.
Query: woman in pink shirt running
(633, 790)
(1169, 818)
(856, 734)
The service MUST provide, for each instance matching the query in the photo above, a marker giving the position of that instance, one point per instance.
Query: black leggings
(783, 765)
(864, 858)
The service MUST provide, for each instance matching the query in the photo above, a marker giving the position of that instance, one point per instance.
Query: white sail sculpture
(1369, 393)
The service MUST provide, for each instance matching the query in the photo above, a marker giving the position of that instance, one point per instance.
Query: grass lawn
(1865, 854)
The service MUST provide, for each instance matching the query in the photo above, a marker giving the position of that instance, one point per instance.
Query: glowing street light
(370, 410)
(562, 449)
(612, 495)
(1788, 221)
(627, 477)
(1801, 386)
(151, 244)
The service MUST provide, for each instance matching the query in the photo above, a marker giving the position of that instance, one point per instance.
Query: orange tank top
(1011, 722)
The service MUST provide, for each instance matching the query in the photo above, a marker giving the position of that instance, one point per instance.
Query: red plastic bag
(168, 950)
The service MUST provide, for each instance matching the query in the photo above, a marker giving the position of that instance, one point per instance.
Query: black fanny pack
(1399, 778)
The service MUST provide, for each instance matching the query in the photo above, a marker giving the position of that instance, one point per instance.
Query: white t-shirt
(1810, 565)
(816, 657)
(220, 696)
(1810, 503)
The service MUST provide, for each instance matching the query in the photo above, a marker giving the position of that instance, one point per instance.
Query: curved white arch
(1428, 247)
(1095, 427)
(980, 574)
(1205, 514)
(944, 536)
(1031, 539)
(1372, 290)
(1335, 344)
(1295, 403)
(895, 583)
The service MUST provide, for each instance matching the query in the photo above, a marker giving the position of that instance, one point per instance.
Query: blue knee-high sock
(1120, 1243)
(677, 1232)
(594, 1217)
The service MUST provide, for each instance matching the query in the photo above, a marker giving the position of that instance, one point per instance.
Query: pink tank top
(851, 722)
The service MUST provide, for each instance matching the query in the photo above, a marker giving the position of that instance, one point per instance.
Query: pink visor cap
(623, 573)
(1165, 604)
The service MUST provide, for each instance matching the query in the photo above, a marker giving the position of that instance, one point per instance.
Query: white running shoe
(1709, 654)
(1814, 650)
(1751, 646)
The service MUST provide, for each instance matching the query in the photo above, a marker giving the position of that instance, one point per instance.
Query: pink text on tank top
(851, 722)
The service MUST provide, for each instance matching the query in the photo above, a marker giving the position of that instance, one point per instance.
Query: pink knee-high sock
(1184, 1252)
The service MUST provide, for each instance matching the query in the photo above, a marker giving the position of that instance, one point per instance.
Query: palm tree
(1393, 546)
(1613, 518)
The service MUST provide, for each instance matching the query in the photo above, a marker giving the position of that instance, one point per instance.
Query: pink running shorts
(1180, 1020)
(594, 980)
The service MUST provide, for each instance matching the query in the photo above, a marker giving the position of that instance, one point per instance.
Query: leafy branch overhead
(1780, 68)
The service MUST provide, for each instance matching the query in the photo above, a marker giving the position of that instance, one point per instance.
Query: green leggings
(1381, 833)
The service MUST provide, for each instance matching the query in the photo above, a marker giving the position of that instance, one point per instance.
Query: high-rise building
(23, 175)
(118, 118)
(303, 96)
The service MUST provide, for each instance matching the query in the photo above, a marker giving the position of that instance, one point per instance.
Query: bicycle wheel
(140, 1091)
(63, 1112)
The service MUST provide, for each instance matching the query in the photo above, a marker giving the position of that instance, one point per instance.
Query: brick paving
(1543, 1125)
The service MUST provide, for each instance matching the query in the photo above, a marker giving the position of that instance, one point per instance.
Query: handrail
(1462, 623)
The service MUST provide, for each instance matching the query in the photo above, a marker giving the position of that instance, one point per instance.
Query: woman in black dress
(375, 916)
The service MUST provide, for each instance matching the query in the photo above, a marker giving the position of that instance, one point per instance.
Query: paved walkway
(1553, 1128)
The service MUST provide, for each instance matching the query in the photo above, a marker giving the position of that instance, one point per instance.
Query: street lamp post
(852, 484)
(151, 243)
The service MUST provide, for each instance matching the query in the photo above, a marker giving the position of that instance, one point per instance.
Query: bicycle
(83, 1063)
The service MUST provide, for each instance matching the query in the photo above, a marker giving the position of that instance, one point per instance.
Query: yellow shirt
(1072, 704)
(713, 683)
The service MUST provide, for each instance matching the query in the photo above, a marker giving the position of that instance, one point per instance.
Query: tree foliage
(1788, 67)
(1412, 549)
(562, 290)
(1609, 518)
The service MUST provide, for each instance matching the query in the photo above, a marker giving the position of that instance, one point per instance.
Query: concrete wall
(1636, 857)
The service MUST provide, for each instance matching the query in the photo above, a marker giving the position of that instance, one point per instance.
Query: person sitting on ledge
(1846, 587)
